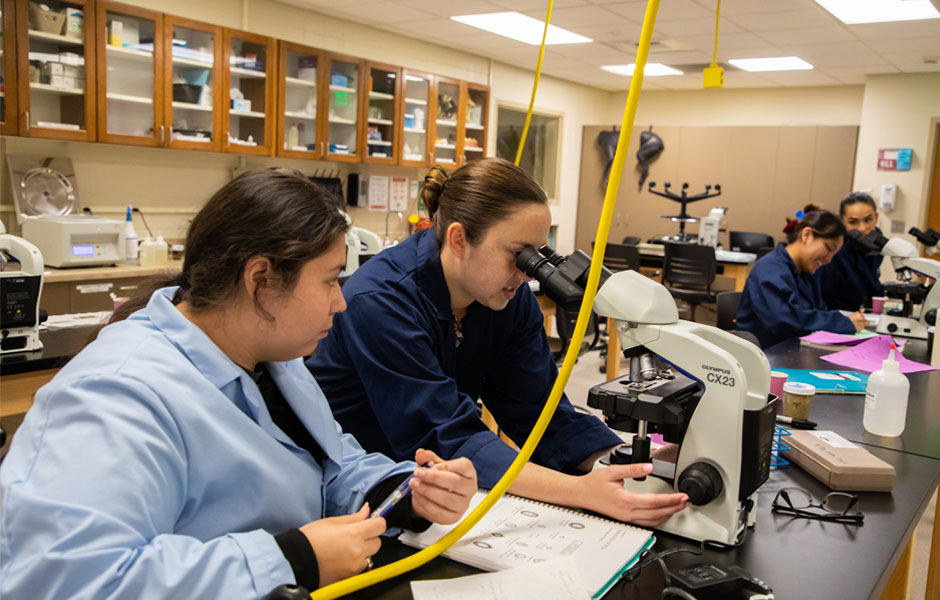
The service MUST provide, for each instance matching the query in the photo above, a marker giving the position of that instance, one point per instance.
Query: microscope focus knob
(930, 317)
(892, 327)
(702, 483)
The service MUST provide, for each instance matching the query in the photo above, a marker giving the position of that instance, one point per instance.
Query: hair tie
(182, 280)
(790, 225)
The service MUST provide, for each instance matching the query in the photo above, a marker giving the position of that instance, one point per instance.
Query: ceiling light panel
(853, 12)
(651, 70)
(521, 28)
(774, 63)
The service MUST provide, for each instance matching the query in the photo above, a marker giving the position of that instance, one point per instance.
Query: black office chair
(689, 271)
(564, 324)
(727, 307)
(764, 250)
(630, 240)
(749, 241)
(621, 257)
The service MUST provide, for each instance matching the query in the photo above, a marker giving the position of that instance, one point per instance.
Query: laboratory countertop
(728, 256)
(120, 271)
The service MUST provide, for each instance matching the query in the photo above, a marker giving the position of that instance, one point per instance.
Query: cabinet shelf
(191, 106)
(300, 82)
(342, 121)
(188, 62)
(248, 73)
(45, 87)
(130, 99)
(381, 96)
(446, 123)
(247, 113)
(415, 130)
(416, 101)
(129, 53)
(300, 115)
(53, 37)
(446, 146)
(474, 126)
(340, 88)
(381, 121)
(472, 149)
(379, 143)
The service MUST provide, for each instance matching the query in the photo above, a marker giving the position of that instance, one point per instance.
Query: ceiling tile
(926, 45)
(807, 36)
(911, 62)
(791, 19)
(382, 12)
(799, 78)
(868, 59)
(732, 41)
(450, 8)
(897, 31)
(831, 49)
(702, 26)
(750, 7)
(433, 28)
(579, 16)
(614, 32)
(524, 5)
(668, 11)
(854, 75)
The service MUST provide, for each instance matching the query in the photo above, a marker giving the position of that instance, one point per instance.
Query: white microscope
(920, 301)
(20, 288)
(713, 402)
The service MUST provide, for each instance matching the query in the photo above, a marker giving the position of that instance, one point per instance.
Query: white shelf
(53, 37)
(339, 88)
(342, 121)
(45, 87)
(130, 99)
(130, 53)
(414, 130)
(300, 115)
(447, 123)
(446, 161)
(446, 146)
(191, 106)
(191, 138)
(382, 121)
(381, 96)
(188, 62)
(472, 149)
(247, 113)
(248, 73)
(55, 125)
(474, 126)
(300, 82)
(413, 157)
(417, 101)
(379, 143)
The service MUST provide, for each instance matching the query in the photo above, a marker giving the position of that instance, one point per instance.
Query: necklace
(458, 330)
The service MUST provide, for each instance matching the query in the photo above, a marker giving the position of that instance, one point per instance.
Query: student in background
(445, 318)
(781, 299)
(854, 275)
(187, 452)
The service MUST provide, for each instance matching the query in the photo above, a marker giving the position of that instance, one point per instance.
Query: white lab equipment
(76, 240)
(20, 290)
(710, 226)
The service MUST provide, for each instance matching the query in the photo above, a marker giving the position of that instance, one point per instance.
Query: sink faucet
(401, 218)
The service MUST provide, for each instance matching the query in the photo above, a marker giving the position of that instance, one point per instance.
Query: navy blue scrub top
(779, 302)
(397, 381)
(851, 279)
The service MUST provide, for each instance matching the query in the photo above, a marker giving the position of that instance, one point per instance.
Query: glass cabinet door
(56, 68)
(193, 64)
(415, 117)
(129, 53)
(249, 93)
(343, 117)
(8, 115)
(297, 134)
(382, 113)
(475, 111)
(446, 121)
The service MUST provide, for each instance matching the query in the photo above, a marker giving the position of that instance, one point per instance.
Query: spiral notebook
(518, 531)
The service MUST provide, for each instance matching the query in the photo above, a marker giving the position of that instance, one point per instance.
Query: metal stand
(683, 199)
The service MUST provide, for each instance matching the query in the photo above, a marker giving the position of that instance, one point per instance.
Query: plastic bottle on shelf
(148, 249)
(886, 399)
(292, 137)
(161, 251)
(131, 252)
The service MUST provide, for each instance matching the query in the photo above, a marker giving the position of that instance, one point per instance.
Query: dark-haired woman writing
(445, 318)
(187, 452)
(854, 275)
(781, 300)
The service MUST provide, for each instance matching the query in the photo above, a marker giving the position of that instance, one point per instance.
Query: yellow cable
(535, 85)
(715, 53)
(347, 586)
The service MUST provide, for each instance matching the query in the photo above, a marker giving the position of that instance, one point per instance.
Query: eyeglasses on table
(835, 506)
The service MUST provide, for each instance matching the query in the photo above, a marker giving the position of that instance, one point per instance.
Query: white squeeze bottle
(130, 238)
(147, 251)
(161, 251)
(886, 399)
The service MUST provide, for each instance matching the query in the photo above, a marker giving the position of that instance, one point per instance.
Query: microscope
(919, 301)
(21, 270)
(702, 388)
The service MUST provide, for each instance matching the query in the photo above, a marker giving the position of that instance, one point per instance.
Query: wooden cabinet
(55, 67)
(475, 109)
(413, 140)
(342, 125)
(9, 124)
(298, 86)
(381, 114)
(192, 78)
(250, 68)
(130, 75)
(446, 128)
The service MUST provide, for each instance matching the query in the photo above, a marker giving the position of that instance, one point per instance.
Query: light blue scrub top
(150, 467)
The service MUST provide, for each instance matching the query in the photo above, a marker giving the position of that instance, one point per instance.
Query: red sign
(887, 159)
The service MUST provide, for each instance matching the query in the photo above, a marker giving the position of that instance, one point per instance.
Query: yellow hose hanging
(535, 85)
(347, 586)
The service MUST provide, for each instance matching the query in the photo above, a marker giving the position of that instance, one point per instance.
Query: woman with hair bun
(854, 275)
(445, 318)
(187, 452)
(781, 300)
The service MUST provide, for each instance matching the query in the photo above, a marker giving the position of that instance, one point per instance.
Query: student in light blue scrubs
(187, 452)
(445, 318)
(854, 275)
(781, 300)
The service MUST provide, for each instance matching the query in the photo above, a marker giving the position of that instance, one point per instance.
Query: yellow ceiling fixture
(715, 75)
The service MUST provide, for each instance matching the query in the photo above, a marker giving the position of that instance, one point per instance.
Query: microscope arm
(926, 267)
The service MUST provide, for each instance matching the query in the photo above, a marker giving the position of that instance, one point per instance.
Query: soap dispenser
(886, 399)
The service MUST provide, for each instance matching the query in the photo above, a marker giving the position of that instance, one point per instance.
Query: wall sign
(895, 159)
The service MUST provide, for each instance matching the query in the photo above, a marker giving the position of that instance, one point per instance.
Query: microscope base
(902, 327)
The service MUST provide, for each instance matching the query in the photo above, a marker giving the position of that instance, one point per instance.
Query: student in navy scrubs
(853, 276)
(781, 298)
(445, 318)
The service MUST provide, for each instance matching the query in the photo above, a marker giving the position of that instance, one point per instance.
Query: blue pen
(400, 493)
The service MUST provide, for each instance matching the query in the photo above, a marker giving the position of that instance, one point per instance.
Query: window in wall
(540, 155)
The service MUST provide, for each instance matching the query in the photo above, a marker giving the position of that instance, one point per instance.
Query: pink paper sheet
(829, 338)
(868, 355)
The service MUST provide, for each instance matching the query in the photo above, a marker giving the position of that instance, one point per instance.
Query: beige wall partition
(766, 173)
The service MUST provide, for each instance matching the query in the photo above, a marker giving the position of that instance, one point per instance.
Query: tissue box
(839, 463)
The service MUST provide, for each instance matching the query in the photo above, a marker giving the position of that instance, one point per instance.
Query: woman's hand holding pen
(858, 319)
(442, 492)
